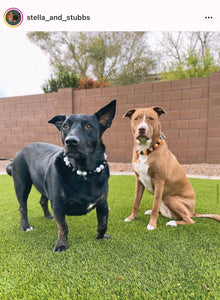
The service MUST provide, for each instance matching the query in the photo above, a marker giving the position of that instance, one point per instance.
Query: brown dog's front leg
(139, 190)
(158, 192)
(61, 243)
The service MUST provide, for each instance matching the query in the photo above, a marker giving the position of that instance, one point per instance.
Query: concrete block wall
(24, 120)
(192, 124)
(185, 126)
(213, 131)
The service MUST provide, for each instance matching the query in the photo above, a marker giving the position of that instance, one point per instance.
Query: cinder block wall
(25, 119)
(192, 125)
(190, 104)
(213, 131)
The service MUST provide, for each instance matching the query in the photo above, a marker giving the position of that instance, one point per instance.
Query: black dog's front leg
(102, 216)
(61, 243)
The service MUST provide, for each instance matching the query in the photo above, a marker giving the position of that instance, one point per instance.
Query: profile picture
(13, 17)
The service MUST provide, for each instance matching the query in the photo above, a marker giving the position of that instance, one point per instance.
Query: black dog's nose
(72, 141)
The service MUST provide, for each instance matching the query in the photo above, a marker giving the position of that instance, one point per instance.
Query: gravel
(204, 170)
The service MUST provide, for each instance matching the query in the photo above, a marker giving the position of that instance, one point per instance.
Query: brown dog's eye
(150, 118)
(136, 119)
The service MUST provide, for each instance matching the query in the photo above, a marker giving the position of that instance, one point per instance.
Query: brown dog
(158, 171)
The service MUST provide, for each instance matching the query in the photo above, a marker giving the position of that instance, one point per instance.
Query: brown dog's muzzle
(142, 132)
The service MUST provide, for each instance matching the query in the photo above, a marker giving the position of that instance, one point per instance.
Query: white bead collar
(99, 169)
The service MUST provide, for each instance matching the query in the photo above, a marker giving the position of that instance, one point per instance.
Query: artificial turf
(180, 262)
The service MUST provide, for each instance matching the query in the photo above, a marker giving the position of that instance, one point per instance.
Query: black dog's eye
(88, 126)
(65, 126)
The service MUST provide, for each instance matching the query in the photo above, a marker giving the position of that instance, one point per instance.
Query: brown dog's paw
(130, 218)
(150, 227)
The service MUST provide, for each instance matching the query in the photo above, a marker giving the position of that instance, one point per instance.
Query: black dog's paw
(61, 245)
(60, 248)
(104, 237)
(107, 236)
(26, 227)
(49, 217)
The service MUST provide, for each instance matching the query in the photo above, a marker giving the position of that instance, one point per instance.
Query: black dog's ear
(129, 113)
(159, 110)
(58, 121)
(106, 114)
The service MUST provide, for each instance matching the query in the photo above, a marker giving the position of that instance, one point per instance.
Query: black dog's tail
(9, 169)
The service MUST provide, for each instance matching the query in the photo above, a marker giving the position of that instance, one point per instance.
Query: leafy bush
(89, 83)
(65, 79)
(192, 66)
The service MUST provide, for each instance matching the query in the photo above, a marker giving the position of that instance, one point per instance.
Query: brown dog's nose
(142, 130)
(72, 141)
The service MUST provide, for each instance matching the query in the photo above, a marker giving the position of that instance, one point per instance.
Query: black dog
(74, 178)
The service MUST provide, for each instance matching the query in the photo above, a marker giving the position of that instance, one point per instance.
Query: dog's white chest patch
(165, 210)
(141, 169)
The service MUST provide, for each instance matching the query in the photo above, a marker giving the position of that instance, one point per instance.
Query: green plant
(192, 66)
(62, 79)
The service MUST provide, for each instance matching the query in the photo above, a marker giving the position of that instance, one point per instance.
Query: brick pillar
(213, 142)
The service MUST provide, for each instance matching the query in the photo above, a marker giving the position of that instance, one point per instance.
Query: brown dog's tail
(211, 216)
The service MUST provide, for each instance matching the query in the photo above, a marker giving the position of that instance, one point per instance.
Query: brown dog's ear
(58, 121)
(129, 113)
(159, 110)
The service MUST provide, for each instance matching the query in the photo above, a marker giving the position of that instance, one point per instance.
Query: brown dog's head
(10, 16)
(145, 123)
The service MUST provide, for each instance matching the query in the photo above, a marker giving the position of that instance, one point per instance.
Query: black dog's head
(81, 134)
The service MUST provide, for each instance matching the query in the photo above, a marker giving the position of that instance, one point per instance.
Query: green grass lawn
(168, 263)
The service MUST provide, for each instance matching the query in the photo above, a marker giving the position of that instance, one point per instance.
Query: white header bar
(120, 15)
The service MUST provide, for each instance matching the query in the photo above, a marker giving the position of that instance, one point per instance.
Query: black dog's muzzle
(72, 141)
(75, 148)
(72, 146)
